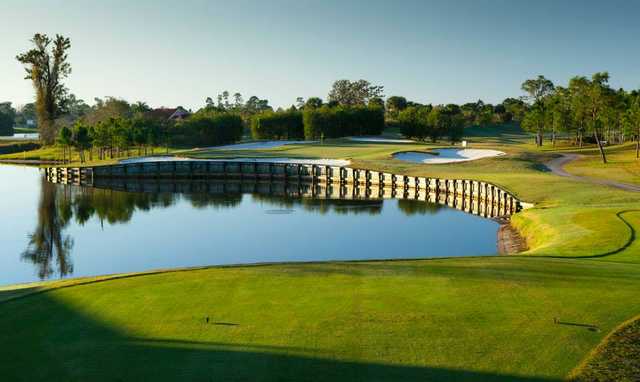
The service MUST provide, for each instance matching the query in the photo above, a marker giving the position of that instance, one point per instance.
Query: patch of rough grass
(617, 358)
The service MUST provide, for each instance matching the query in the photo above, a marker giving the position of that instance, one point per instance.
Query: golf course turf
(532, 317)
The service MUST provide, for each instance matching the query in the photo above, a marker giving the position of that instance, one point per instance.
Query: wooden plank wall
(473, 196)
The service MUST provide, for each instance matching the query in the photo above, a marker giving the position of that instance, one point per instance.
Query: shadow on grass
(51, 340)
(10, 294)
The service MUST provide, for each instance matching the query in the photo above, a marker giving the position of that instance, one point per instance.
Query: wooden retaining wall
(472, 196)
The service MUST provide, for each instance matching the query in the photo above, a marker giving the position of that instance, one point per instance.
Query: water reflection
(127, 226)
(49, 249)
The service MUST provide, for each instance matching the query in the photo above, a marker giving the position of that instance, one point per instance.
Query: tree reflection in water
(49, 249)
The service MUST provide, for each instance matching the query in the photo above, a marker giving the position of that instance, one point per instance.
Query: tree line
(585, 109)
(113, 127)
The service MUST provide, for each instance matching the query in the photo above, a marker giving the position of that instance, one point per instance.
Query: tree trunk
(604, 158)
(638, 144)
(580, 138)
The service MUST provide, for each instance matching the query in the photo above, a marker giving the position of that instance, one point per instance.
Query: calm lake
(51, 231)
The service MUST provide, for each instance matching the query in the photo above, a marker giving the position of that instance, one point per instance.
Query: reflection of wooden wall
(479, 198)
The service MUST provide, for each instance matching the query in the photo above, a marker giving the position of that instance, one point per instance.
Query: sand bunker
(320, 162)
(447, 155)
(262, 145)
(380, 140)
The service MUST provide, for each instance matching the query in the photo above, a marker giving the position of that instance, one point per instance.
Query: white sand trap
(258, 145)
(21, 137)
(447, 156)
(320, 162)
(380, 140)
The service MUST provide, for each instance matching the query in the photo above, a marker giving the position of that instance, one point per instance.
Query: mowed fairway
(529, 317)
(459, 319)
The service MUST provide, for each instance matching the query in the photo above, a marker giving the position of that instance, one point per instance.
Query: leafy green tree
(80, 139)
(395, 104)
(73, 107)
(238, 102)
(101, 138)
(47, 69)
(313, 103)
(516, 107)
(558, 116)
(122, 136)
(484, 116)
(348, 93)
(537, 90)
(598, 99)
(414, 122)
(533, 119)
(632, 122)
(7, 119)
(140, 108)
(65, 140)
(107, 109)
(26, 113)
(578, 104)
(376, 102)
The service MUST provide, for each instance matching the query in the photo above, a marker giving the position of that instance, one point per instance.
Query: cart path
(557, 167)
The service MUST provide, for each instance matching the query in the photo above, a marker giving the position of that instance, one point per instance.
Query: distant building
(170, 114)
(31, 123)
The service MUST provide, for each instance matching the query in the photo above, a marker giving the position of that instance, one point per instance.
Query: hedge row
(328, 122)
(209, 129)
(18, 147)
(339, 121)
(280, 125)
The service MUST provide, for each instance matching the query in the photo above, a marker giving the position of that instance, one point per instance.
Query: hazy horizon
(170, 54)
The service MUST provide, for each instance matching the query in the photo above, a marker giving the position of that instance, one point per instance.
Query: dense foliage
(278, 125)
(7, 119)
(209, 128)
(585, 108)
(113, 127)
(335, 122)
(355, 93)
(422, 122)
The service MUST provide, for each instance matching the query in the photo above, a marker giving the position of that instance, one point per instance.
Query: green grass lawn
(459, 319)
(532, 317)
(25, 130)
(622, 164)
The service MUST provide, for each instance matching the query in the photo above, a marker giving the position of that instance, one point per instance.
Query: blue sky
(171, 53)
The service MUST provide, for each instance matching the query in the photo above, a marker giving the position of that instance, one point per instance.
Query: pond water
(50, 231)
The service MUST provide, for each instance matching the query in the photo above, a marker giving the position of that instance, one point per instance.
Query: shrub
(277, 125)
(414, 122)
(340, 121)
(209, 128)
(6, 125)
